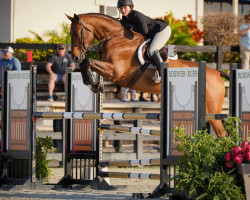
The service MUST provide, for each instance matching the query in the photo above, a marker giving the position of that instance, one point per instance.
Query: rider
(157, 30)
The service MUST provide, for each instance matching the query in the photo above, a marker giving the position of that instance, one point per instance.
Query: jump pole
(129, 175)
(82, 115)
(112, 116)
(133, 130)
(128, 163)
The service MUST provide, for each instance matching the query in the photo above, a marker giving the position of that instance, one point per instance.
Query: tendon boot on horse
(88, 77)
(157, 60)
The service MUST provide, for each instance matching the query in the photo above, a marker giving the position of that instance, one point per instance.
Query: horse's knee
(84, 64)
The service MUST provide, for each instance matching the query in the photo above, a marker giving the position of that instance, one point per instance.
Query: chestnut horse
(118, 61)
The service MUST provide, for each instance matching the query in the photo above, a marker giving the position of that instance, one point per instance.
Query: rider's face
(124, 10)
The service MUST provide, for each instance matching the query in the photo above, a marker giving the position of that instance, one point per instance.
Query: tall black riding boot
(158, 60)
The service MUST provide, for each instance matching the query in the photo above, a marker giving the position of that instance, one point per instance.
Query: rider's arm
(142, 24)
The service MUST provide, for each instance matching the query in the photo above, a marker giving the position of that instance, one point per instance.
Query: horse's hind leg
(215, 92)
(218, 127)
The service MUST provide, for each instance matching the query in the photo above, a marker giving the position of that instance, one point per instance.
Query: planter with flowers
(240, 157)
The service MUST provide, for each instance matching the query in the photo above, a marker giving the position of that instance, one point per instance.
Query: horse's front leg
(105, 69)
(88, 77)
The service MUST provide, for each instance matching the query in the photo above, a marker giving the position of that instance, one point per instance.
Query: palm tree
(54, 36)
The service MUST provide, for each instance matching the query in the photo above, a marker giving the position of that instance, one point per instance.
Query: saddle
(166, 52)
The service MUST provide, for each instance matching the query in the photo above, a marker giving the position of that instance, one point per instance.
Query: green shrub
(202, 169)
(43, 145)
(53, 36)
(38, 55)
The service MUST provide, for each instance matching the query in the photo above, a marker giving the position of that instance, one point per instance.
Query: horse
(118, 61)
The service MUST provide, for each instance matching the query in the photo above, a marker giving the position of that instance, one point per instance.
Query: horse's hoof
(101, 87)
(98, 87)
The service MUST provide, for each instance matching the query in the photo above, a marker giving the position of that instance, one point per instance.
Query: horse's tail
(224, 75)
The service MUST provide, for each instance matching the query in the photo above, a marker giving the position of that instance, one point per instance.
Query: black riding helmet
(121, 3)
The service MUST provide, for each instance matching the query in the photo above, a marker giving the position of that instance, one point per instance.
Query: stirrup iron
(156, 77)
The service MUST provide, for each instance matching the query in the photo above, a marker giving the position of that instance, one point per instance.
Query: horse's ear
(70, 18)
(76, 17)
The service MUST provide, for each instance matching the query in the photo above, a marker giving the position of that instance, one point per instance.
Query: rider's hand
(127, 25)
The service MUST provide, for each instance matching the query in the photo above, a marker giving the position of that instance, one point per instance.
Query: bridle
(82, 44)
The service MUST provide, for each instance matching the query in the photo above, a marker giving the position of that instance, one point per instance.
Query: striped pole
(129, 175)
(216, 116)
(127, 163)
(134, 130)
(111, 116)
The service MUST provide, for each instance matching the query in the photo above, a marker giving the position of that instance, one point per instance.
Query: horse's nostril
(76, 59)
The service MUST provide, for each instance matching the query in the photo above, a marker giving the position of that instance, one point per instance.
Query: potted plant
(202, 170)
(239, 157)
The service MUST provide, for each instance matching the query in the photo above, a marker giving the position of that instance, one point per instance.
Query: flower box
(243, 170)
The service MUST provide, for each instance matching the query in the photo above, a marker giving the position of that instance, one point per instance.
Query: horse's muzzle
(79, 58)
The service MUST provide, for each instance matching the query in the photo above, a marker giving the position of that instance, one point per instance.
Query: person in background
(245, 43)
(124, 95)
(141, 98)
(12, 63)
(9, 60)
(56, 67)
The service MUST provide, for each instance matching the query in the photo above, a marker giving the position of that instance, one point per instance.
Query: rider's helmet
(121, 3)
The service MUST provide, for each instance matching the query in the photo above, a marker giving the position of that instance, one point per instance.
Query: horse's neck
(103, 27)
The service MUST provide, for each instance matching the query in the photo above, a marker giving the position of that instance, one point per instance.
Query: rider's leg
(158, 42)
(158, 60)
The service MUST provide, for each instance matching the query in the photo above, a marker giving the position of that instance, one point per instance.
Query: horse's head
(81, 36)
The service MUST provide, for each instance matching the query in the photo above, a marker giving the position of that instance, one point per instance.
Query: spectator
(245, 43)
(10, 61)
(56, 67)
(124, 95)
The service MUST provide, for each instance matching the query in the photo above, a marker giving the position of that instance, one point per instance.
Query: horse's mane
(103, 15)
